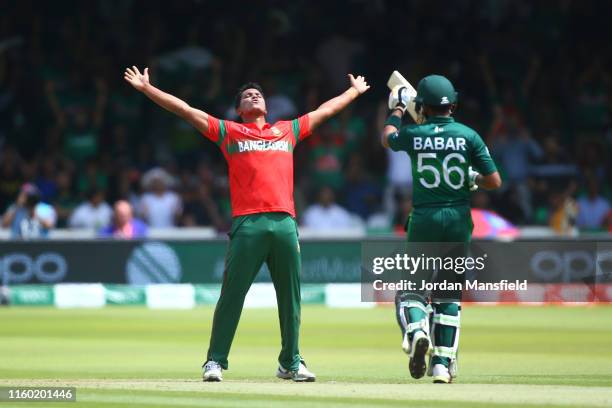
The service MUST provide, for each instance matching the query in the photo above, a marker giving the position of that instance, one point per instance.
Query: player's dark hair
(248, 85)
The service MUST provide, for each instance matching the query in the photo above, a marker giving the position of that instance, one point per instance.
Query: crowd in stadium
(73, 129)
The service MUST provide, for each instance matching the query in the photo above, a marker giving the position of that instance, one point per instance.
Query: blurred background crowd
(533, 80)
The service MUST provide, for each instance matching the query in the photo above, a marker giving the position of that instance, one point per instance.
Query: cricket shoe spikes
(302, 374)
(441, 375)
(418, 352)
(212, 372)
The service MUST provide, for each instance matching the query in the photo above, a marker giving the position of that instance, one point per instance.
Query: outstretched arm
(140, 82)
(335, 105)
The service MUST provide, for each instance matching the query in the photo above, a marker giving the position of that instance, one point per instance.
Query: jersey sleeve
(300, 128)
(217, 130)
(481, 159)
(399, 140)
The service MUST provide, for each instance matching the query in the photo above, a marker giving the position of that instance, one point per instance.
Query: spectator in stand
(352, 127)
(11, 178)
(81, 140)
(592, 208)
(200, 209)
(94, 213)
(29, 218)
(562, 213)
(402, 215)
(66, 200)
(593, 161)
(361, 194)
(399, 172)
(592, 111)
(46, 180)
(327, 155)
(337, 55)
(78, 105)
(91, 177)
(159, 206)
(515, 151)
(326, 215)
(124, 225)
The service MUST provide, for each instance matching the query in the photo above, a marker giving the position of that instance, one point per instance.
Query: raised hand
(136, 79)
(359, 83)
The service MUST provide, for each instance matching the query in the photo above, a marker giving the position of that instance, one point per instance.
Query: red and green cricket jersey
(260, 162)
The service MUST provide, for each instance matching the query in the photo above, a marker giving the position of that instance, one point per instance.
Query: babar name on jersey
(438, 143)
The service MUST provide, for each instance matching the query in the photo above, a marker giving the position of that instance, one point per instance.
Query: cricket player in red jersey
(260, 161)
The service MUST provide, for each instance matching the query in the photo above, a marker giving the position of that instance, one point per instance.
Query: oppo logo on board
(48, 267)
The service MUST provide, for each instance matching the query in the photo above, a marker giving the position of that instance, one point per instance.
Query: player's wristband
(394, 120)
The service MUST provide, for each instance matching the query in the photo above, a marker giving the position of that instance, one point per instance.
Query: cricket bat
(397, 79)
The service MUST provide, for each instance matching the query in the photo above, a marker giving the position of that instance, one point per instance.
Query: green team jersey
(441, 150)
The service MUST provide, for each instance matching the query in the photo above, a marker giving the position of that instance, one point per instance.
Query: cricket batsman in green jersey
(259, 156)
(449, 160)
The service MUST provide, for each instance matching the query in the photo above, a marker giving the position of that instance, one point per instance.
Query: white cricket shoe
(302, 374)
(212, 371)
(406, 344)
(418, 349)
(441, 375)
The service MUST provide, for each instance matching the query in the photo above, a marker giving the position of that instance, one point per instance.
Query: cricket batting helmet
(435, 90)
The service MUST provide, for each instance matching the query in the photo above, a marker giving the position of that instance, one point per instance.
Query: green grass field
(122, 356)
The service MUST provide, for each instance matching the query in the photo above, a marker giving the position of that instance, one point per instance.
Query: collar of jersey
(441, 119)
(253, 125)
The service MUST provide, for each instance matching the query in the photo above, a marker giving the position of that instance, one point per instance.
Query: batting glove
(399, 98)
(472, 174)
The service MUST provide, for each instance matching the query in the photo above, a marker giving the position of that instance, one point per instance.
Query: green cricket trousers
(254, 239)
(439, 231)
(440, 224)
(431, 225)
